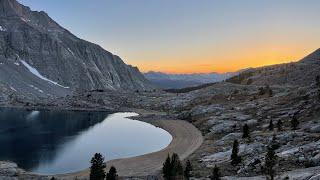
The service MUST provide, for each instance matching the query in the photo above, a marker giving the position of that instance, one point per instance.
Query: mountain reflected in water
(51, 142)
(28, 136)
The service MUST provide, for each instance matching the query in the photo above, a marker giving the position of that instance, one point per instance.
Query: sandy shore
(186, 139)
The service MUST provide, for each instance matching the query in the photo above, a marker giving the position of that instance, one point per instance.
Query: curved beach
(185, 140)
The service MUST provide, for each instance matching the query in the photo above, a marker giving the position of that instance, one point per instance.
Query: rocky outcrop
(38, 57)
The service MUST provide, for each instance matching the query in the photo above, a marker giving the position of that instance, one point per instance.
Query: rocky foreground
(220, 112)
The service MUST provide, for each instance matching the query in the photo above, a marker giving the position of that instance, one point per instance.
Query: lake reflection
(54, 142)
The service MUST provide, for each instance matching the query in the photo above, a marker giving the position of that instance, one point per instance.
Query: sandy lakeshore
(185, 140)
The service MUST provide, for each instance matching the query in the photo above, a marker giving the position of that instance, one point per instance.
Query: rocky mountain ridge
(39, 58)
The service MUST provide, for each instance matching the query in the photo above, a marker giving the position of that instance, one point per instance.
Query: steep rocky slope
(40, 58)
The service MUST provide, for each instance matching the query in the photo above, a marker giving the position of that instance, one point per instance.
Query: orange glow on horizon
(222, 64)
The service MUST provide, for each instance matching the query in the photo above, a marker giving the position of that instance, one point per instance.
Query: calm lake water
(55, 142)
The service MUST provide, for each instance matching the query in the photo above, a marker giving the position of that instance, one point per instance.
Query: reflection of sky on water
(58, 142)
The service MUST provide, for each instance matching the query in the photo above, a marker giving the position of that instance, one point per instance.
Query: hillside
(298, 73)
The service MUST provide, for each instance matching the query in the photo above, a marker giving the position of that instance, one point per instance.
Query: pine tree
(271, 125)
(53, 178)
(112, 174)
(279, 125)
(246, 132)
(235, 159)
(274, 143)
(176, 165)
(271, 160)
(215, 173)
(172, 167)
(294, 123)
(188, 169)
(97, 167)
(167, 169)
(269, 91)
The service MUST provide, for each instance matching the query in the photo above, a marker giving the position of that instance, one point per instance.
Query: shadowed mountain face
(301, 73)
(40, 58)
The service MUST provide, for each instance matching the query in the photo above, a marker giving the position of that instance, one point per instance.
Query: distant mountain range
(178, 81)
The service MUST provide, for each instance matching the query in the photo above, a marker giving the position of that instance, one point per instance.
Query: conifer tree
(172, 168)
(294, 123)
(274, 143)
(112, 174)
(271, 160)
(188, 169)
(235, 159)
(176, 165)
(215, 173)
(271, 125)
(167, 169)
(279, 125)
(246, 132)
(97, 167)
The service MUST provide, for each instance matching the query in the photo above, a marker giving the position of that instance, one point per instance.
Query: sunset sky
(189, 36)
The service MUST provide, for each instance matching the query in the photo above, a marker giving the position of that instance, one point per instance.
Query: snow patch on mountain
(36, 73)
(36, 88)
(2, 28)
(70, 51)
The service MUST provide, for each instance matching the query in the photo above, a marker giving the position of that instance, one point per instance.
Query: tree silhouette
(279, 125)
(166, 170)
(112, 174)
(294, 123)
(172, 168)
(271, 125)
(188, 169)
(246, 132)
(274, 143)
(97, 167)
(176, 165)
(215, 173)
(271, 160)
(235, 158)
